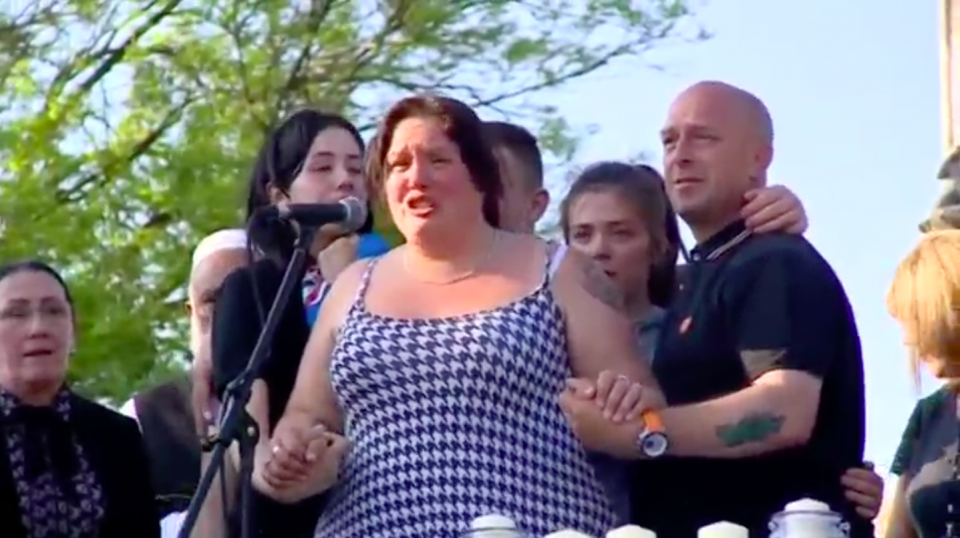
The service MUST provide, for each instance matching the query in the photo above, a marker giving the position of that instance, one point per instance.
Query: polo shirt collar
(721, 242)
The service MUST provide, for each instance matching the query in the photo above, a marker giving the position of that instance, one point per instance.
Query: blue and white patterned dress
(455, 418)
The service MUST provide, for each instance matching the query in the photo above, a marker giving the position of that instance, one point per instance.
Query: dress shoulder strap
(555, 254)
(364, 282)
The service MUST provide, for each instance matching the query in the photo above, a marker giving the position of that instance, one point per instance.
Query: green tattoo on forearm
(753, 428)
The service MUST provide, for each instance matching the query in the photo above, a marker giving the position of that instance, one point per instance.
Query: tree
(129, 125)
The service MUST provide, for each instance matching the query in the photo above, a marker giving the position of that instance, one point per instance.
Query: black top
(927, 459)
(112, 445)
(236, 328)
(750, 305)
(173, 450)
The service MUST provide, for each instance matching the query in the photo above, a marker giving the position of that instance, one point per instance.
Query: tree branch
(108, 55)
(319, 10)
(77, 190)
(366, 52)
(17, 36)
(235, 31)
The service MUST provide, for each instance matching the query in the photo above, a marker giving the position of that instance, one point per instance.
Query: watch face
(654, 444)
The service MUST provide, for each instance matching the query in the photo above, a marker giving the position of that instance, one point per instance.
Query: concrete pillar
(946, 213)
(949, 71)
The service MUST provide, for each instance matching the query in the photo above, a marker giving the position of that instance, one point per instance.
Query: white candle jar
(808, 518)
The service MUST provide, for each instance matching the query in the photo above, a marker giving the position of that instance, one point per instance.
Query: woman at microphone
(311, 158)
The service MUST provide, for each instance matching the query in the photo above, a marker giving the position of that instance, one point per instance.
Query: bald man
(164, 412)
(776, 408)
(759, 357)
(718, 145)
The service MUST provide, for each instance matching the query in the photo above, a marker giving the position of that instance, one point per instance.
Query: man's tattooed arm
(753, 428)
(778, 411)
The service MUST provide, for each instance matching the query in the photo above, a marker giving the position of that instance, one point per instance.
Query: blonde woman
(924, 298)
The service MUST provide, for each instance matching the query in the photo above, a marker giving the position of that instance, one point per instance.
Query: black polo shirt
(744, 293)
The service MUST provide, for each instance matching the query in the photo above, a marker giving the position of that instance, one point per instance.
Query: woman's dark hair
(35, 266)
(462, 126)
(642, 187)
(279, 162)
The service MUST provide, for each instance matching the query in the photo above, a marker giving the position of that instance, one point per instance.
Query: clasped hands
(302, 459)
(299, 461)
(604, 413)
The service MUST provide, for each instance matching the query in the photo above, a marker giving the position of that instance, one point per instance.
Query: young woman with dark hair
(293, 166)
(68, 466)
(312, 157)
(618, 214)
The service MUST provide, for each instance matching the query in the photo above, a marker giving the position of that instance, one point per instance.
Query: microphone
(350, 213)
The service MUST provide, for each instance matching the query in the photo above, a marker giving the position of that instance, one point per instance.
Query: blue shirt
(315, 288)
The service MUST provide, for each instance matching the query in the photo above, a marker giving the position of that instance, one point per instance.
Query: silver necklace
(457, 278)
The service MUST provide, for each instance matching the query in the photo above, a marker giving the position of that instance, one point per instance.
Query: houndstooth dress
(455, 418)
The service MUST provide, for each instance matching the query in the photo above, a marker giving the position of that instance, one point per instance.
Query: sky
(853, 88)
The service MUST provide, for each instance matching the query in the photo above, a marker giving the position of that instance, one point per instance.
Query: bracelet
(208, 443)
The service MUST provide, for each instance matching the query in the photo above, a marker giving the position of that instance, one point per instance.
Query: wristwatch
(652, 441)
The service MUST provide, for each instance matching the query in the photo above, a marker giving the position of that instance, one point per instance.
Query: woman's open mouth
(418, 205)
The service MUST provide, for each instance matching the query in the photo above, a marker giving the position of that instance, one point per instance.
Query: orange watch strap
(651, 421)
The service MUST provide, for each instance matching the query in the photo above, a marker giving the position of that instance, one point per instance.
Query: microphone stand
(236, 424)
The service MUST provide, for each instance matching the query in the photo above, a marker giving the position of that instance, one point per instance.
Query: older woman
(69, 467)
(442, 360)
